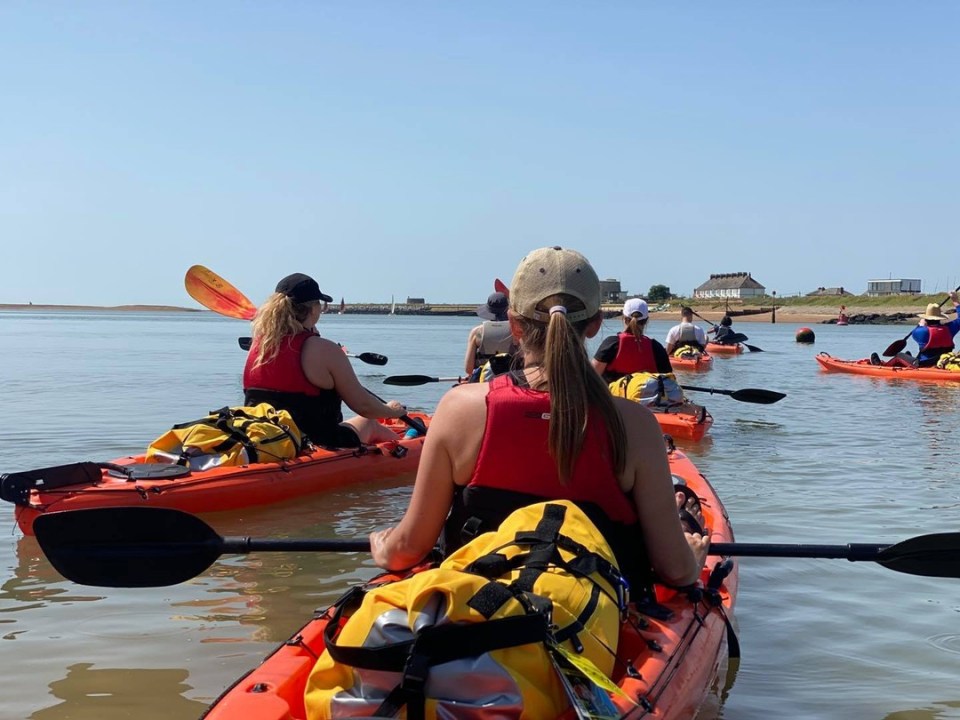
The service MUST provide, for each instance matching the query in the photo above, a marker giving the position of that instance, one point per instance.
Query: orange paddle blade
(215, 293)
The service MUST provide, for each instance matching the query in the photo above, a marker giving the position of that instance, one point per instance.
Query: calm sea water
(841, 459)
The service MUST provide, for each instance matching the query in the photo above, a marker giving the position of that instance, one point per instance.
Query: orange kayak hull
(672, 682)
(718, 349)
(864, 367)
(685, 426)
(697, 363)
(232, 488)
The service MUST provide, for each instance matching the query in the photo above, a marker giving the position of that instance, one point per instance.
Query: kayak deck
(722, 349)
(865, 367)
(697, 362)
(687, 421)
(218, 489)
(676, 647)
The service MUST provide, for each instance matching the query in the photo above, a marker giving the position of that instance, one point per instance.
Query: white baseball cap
(636, 305)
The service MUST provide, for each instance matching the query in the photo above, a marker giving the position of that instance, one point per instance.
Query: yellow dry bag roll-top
(949, 361)
(473, 637)
(230, 436)
(660, 389)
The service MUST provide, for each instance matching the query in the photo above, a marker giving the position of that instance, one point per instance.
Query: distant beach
(811, 314)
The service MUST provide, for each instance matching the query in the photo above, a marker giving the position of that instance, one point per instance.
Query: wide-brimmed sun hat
(554, 271)
(496, 307)
(933, 313)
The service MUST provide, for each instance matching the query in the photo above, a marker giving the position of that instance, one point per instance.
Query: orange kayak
(865, 367)
(126, 481)
(676, 651)
(679, 422)
(693, 361)
(720, 349)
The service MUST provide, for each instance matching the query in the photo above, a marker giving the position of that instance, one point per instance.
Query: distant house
(730, 285)
(893, 287)
(416, 301)
(829, 292)
(610, 291)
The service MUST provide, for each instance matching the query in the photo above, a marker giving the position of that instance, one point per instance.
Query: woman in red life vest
(549, 431)
(631, 351)
(291, 367)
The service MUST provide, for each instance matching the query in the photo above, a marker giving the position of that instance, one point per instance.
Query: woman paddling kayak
(551, 431)
(291, 367)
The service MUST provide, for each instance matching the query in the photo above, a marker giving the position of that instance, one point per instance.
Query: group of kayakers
(556, 415)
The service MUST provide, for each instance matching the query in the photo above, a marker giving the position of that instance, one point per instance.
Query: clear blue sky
(420, 148)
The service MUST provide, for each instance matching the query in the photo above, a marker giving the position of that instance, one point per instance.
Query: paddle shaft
(853, 551)
(242, 545)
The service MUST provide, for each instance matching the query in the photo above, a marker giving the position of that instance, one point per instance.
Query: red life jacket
(939, 339)
(513, 453)
(284, 373)
(633, 355)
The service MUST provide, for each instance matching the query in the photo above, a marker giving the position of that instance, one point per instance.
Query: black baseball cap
(301, 289)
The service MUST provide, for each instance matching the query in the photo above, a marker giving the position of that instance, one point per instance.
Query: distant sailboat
(393, 306)
(343, 306)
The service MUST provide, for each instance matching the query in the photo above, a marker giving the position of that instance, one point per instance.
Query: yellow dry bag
(230, 436)
(478, 636)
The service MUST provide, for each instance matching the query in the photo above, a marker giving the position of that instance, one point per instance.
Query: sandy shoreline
(786, 314)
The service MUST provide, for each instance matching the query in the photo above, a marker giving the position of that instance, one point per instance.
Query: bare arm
(676, 556)
(326, 366)
(598, 366)
(473, 342)
(449, 455)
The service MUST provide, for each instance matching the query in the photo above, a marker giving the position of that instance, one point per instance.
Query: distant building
(730, 285)
(610, 291)
(893, 287)
(416, 301)
(829, 292)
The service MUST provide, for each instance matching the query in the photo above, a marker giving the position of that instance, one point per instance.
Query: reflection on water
(94, 694)
(840, 459)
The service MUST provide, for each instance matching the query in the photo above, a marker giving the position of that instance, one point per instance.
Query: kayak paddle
(749, 395)
(408, 380)
(154, 547)
(367, 357)
(215, 293)
(734, 338)
(897, 346)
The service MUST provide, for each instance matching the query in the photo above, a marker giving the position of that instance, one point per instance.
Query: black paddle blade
(758, 396)
(407, 380)
(735, 338)
(895, 348)
(245, 342)
(753, 348)
(127, 547)
(372, 358)
(936, 555)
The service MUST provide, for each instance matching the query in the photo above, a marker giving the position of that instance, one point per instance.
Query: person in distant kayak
(491, 339)
(842, 317)
(934, 336)
(631, 351)
(291, 367)
(723, 331)
(686, 334)
(549, 431)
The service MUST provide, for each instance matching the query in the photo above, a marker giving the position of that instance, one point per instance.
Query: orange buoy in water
(805, 335)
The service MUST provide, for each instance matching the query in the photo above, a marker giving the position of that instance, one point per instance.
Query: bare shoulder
(636, 418)
(465, 403)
